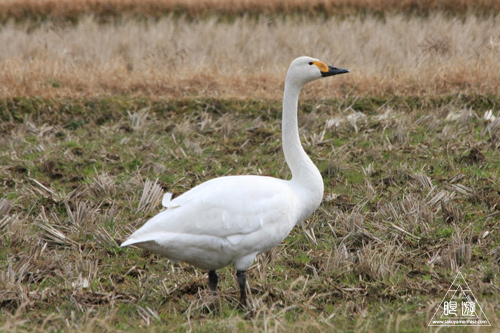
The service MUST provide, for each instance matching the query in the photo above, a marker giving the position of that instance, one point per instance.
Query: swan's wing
(237, 204)
(228, 207)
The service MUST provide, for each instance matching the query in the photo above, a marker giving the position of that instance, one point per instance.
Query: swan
(232, 219)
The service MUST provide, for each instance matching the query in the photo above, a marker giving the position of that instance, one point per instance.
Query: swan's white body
(232, 219)
(225, 220)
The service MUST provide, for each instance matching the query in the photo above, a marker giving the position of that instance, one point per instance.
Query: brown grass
(73, 9)
(406, 205)
(247, 58)
(411, 183)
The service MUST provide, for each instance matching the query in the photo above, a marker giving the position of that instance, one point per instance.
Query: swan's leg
(212, 281)
(241, 276)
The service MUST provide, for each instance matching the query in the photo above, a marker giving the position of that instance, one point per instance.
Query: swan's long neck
(304, 172)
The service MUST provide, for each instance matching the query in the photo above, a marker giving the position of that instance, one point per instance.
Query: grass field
(248, 58)
(99, 119)
(73, 10)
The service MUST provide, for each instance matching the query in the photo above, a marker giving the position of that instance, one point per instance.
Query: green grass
(81, 166)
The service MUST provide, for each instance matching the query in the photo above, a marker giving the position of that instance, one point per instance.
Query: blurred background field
(245, 56)
(21, 10)
(106, 105)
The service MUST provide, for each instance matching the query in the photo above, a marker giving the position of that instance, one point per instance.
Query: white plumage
(232, 219)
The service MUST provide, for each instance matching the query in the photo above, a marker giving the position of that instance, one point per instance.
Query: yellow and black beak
(334, 71)
(329, 70)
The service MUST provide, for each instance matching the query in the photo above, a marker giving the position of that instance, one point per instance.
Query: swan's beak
(334, 71)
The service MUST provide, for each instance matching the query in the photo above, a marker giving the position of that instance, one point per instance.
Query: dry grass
(247, 58)
(73, 9)
(411, 196)
(409, 155)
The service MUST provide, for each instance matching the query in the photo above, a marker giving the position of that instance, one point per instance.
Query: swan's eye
(311, 63)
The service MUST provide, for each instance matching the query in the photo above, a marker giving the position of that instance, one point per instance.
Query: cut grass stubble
(392, 229)
(411, 181)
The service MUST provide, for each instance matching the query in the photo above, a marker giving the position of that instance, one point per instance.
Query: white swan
(232, 219)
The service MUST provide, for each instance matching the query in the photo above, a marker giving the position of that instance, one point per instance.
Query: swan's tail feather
(140, 239)
(128, 242)
(167, 201)
(147, 238)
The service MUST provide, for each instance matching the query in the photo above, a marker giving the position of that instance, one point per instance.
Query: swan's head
(307, 69)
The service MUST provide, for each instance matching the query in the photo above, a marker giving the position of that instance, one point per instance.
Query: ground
(411, 173)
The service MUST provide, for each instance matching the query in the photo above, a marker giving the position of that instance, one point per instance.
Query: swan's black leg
(241, 276)
(212, 281)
